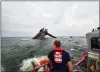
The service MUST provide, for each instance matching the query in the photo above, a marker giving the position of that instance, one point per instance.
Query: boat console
(93, 41)
(90, 61)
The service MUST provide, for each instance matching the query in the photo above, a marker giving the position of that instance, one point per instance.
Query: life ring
(40, 63)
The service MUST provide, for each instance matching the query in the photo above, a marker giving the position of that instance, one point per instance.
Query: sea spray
(2, 69)
(27, 64)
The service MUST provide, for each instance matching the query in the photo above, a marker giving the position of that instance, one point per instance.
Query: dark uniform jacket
(58, 60)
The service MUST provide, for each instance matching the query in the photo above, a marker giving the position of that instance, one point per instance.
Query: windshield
(95, 43)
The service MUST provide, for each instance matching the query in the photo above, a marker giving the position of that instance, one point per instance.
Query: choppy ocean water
(16, 49)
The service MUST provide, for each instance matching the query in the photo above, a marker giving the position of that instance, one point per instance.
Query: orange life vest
(58, 55)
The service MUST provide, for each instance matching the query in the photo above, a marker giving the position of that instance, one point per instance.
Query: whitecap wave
(24, 39)
(27, 65)
(72, 49)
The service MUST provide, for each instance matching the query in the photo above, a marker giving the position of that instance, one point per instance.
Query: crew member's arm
(70, 66)
(69, 63)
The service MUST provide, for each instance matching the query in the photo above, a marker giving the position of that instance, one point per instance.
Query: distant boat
(71, 37)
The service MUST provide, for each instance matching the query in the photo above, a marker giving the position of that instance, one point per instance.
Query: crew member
(59, 59)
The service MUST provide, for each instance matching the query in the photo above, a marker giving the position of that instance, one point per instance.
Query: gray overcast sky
(62, 18)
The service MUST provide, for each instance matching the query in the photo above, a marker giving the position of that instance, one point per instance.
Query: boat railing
(46, 65)
(77, 67)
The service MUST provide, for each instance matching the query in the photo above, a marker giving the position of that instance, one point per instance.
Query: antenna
(95, 24)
